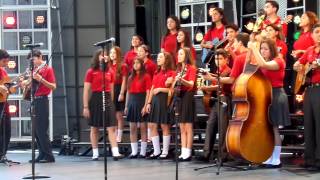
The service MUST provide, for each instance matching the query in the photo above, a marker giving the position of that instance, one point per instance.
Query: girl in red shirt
(138, 89)
(308, 20)
(120, 70)
(132, 54)
(169, 41)
(273, 32)
(183, 40)
(217, 30)
(157, 104)
(186, 78)
(149, 65)
(273, 67)
(92, 105)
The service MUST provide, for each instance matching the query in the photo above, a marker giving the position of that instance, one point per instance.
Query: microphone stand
(33, 119)
(103, 66)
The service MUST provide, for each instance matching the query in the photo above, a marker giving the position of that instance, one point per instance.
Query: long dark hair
(272, 47)
(223, 20)
(176, 20)
(187, 39)
(140, 38)
(188, 58)
(95, 63)
(134, 72)
(168, 62)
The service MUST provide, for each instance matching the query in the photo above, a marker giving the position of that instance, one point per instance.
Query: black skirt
(159, 109)
(186, 107)
(279, 109)
(95, 107)
(135, 105)
(119, 105)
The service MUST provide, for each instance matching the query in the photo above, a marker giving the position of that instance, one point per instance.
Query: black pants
(41, 106)
(311, 107)
(212, 127)
(5, 130)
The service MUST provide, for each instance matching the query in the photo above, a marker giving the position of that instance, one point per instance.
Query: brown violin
(250, 135)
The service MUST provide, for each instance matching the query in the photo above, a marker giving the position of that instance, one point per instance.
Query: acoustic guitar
(301, 78)
(175, 89)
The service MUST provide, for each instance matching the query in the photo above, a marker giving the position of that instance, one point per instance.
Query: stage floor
(82, 168)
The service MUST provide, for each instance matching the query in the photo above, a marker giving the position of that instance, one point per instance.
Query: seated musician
(225, 109)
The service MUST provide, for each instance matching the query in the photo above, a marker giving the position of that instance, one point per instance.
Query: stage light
(295, 1)
(199, 36)
(12, 64)
(299, 98)
(185, 13)
(40, 19)
(13, 109)
(10, 20)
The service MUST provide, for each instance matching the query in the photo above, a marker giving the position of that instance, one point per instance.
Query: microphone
(33, 45)
(102, 43)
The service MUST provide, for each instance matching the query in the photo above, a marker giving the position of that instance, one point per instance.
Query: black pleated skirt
(159, 109)
(187, 107)
(96, 112)
(279, 109)
(119, 105)
(135, 105)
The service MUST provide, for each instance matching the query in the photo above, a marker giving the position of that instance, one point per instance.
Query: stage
(77, 167)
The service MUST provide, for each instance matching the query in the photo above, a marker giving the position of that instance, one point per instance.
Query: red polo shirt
(47, 73)
(94, 77)
(169, 43)
(190, 75)
(282, 48)
(140, 84)
(276, 77)
(304, 42)
(118, 76)
(308, 57)
(238, 65)
(214, 33)
(150, 67)
(159, 78)
(129, 57)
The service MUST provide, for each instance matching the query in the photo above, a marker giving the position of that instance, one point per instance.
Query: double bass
(250, 134)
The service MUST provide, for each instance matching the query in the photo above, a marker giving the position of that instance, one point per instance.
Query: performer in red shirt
(149, 65)
(217, 30)
(183, 40)
(308, 20)
(232, 31)
(273, 32)
(225, 110)
(157, 104)
(311, 103)
(92, 105)
(273, 68)
(271, 8)
(139, 85)
(121, 74)
(169, 41)
(5, 121)
(132, 54)
(186, 77)
(43, 83)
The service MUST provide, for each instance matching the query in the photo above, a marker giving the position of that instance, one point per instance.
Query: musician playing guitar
(225, 109)
(5, 121)
(216, 31)
(311, 104)
(44, 83)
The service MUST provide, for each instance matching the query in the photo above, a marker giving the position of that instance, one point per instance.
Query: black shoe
(131, 156)
(49, 160)
(186, 159)
(153, 156)
(271, 166)
(116, 158)
(141, 156)
(95, 159)
(164, 156)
